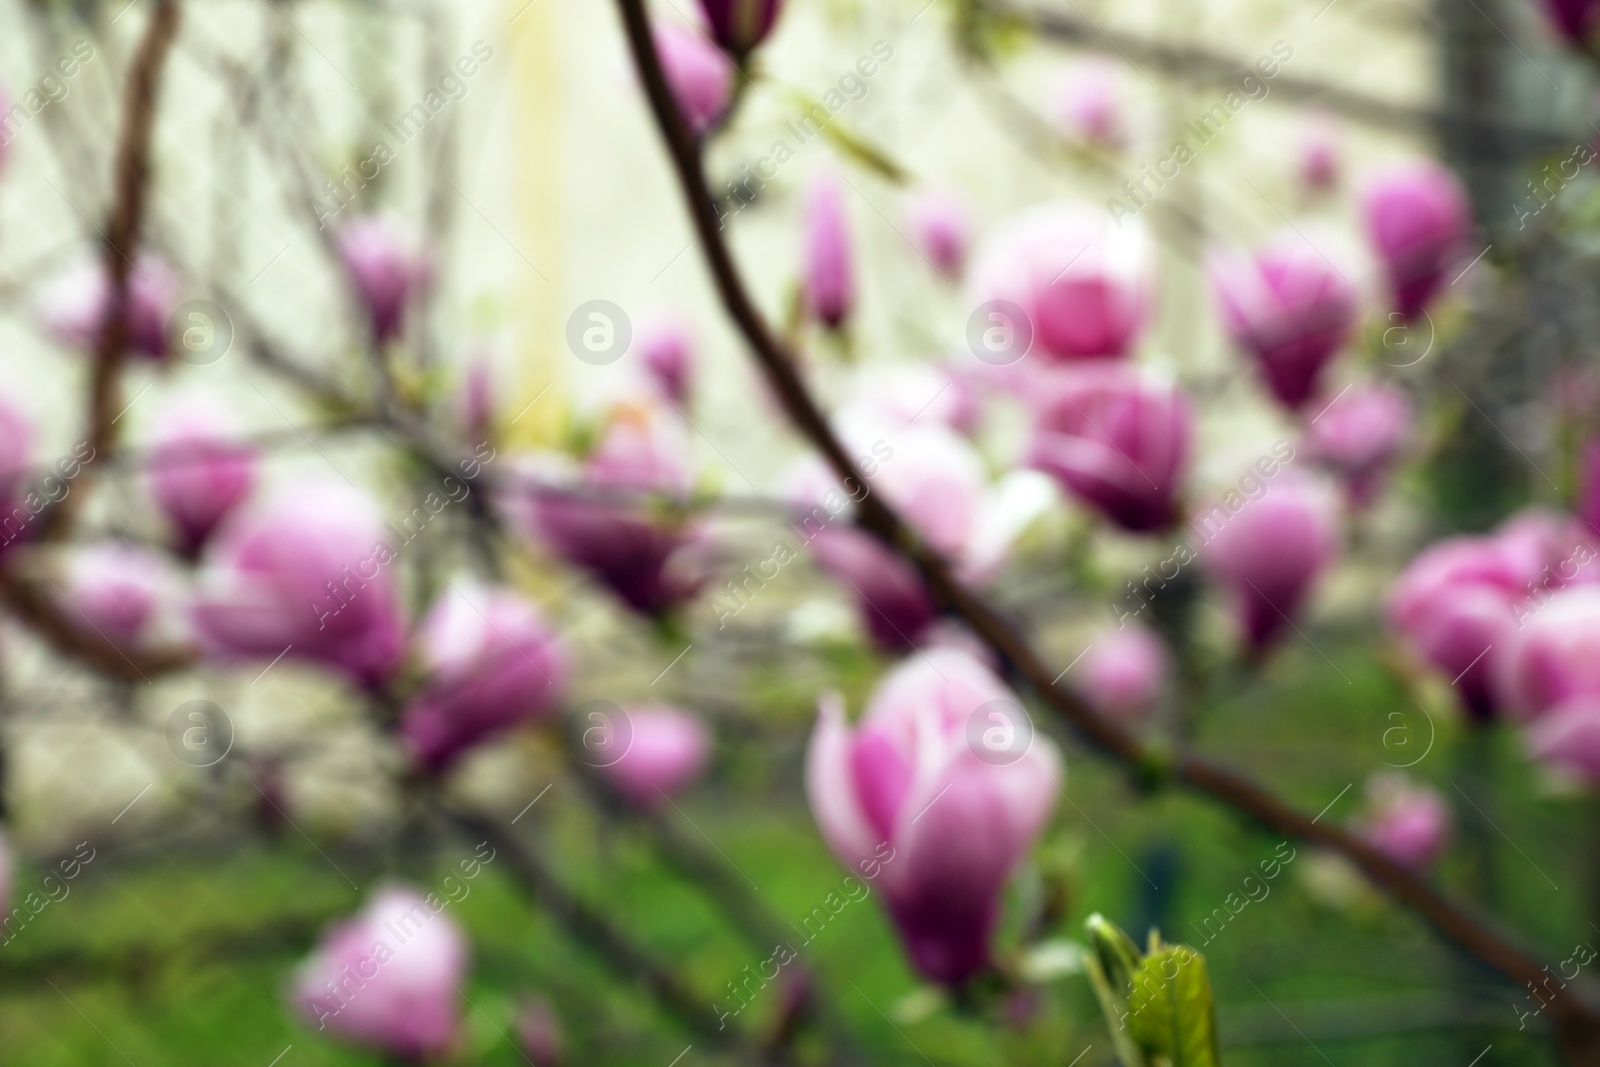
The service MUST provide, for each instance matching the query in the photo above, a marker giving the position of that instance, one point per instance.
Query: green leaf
(1157, 1004)
(1171, 1015)
(1111, 963)
(868, 155)
(1114, 950)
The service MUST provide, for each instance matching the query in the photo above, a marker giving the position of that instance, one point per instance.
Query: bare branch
(1226, 71)
(594, 930)
(132, 183)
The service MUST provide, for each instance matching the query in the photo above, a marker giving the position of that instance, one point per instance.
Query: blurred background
(366, 243)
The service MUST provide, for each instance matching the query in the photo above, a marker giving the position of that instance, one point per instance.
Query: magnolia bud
(388, 978)
(740, 25)
(308, 575)
(1118, 439)
(1417, 216)
(700, 75)
(915, 795)
(1408, 822)
(1291, 307)
(829, 261)
(388, 272)
(1270, 553)
(667, 750)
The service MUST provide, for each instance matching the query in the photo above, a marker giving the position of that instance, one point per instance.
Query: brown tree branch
(1579, 1017)
(132, 187)
(70, 634)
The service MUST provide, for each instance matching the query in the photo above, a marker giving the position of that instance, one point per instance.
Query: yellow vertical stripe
(536, 135)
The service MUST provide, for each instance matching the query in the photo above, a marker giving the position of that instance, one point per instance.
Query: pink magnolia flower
(1291, 307)
(198, 474)
(1457, 636)
(75, 306)
(116, 590)
(1471, 605)
(1417, 216)
(700, 75)
(1082, 281)
(936, 481)
(1447, 566)
(305, 575)
(387, 270)
(1551, 550)
(1573, 19)
(1270, 554)
(829, 266)
(740, 25)
(1319, 163)
(667, 352)
(653, 563)
(387, 978)
(1554, 657)
(1089, 104)
(1124, 674)
(1406, 821)
(937, 793)
(895, 606)
(666, 750)
(1360, 434)
(1454, 604)
(643, 450)
(941, 228)
(1118, 439)
(493, 661)
(1566, 739)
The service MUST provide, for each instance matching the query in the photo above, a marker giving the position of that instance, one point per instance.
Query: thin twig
(713, 876)
(134, 963)
(596, 931)
(1225, 71)
(71, 636)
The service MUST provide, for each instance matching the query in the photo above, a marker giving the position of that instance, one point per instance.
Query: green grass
(120, 972)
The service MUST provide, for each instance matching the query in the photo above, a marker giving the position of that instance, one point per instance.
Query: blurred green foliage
(183, 960)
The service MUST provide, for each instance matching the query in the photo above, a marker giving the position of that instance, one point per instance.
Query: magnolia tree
(1046, 449)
